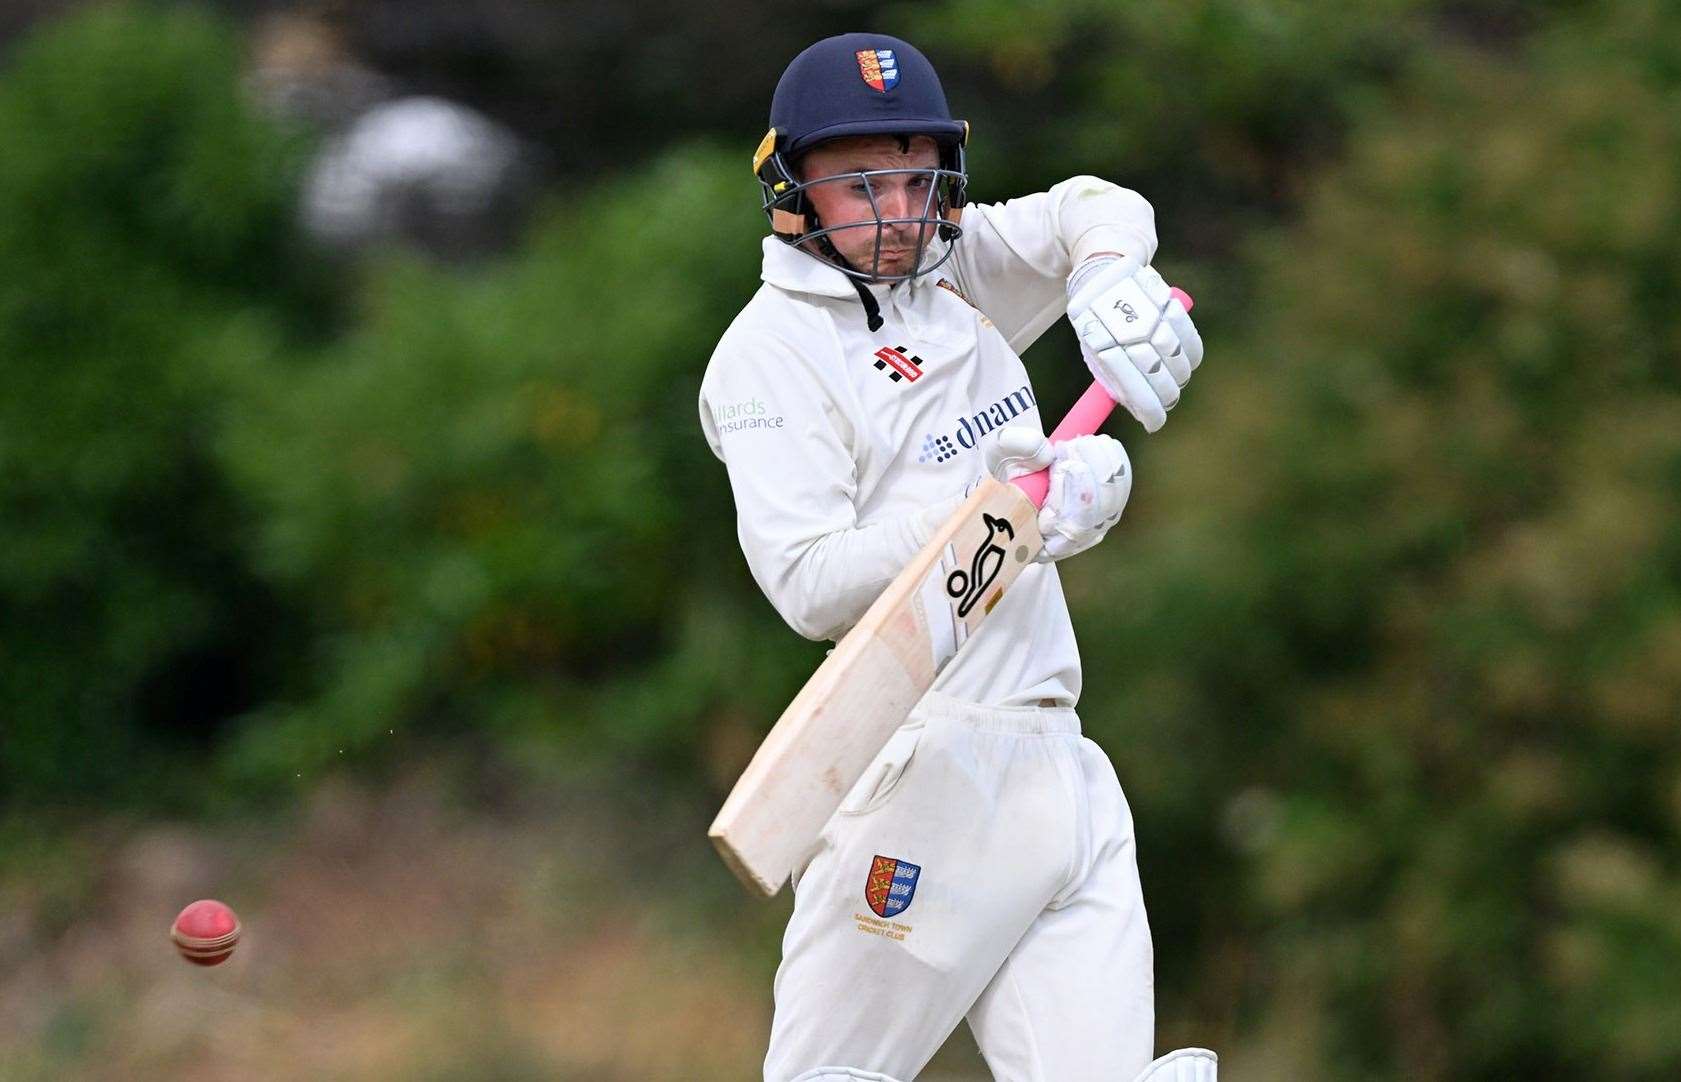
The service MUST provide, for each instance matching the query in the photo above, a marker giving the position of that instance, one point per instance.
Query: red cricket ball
(205, 932)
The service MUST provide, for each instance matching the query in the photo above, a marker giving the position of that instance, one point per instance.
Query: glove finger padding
(1149, 364)
(1190, 339)
(1166, 343)
(1123, 382)
(1090, 483)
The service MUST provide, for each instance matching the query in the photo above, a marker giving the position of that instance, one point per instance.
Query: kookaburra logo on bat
(968, 586)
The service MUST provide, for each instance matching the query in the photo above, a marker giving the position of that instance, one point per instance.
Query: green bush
(494, 494)
(1399, 618)
(144, 236)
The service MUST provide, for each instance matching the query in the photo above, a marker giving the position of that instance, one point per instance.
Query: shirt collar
(798, 271)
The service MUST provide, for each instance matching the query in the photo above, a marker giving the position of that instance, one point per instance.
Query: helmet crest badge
(879, 69)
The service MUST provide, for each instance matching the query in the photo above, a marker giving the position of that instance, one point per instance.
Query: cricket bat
(866, 688)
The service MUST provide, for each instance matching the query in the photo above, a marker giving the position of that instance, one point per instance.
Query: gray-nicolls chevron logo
(898, 363)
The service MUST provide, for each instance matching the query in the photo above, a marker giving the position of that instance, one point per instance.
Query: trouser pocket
(885, 771)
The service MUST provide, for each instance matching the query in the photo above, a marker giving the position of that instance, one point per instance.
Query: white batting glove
(1135, 335)
(1091, 480)
(1018, 450)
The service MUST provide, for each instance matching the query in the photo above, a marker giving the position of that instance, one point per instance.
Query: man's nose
(896, 202)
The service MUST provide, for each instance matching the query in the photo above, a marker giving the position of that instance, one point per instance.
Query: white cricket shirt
(846, 447)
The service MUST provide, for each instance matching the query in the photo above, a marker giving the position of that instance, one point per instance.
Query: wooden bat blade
(840, 720)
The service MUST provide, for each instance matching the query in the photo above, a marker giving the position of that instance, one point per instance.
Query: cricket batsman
(984, 867)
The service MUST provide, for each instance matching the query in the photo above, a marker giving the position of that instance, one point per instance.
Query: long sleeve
(1015, 257)
(773, 421)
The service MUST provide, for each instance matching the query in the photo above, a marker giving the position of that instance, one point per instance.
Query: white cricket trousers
(984, 866)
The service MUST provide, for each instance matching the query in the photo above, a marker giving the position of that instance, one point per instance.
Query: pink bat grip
(1086, 417)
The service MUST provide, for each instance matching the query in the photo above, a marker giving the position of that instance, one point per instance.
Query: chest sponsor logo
(968, 430)
(897, 362)
(891, 885)
(743, 416)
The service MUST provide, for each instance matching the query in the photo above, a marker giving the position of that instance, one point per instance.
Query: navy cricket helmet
(851, 85)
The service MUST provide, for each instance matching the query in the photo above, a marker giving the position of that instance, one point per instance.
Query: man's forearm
(829, 584)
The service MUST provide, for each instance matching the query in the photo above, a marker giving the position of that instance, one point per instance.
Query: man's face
(846, 199)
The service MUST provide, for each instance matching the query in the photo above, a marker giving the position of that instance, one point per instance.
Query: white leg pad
(1183, 1065)
(845, 1074)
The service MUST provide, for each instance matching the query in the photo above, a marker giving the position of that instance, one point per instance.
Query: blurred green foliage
(489, 496)
(1388, 656)
(1410, 675)
(145, 235)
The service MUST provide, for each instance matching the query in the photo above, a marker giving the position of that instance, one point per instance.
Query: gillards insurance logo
(746, 415)
(879, 68)
(940, 447)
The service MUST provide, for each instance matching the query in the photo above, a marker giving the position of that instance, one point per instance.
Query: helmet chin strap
(827, 247)
(872, 310)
